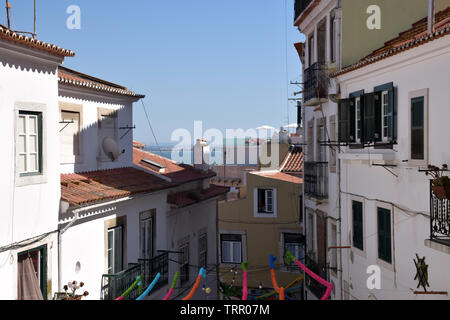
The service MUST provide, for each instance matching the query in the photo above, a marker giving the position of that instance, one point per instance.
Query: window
(358, 226)
(310, 141)
(184, 263)
(332, 38)
(295, 244)
(321, 139)
(203, 251)
(115, 250)
(368, 118)
(107, 128)
(69, 135)
(265, 201)
(311, 50)
(32, 274)
(29, 145)
(333, 243)
(384, 235)
(333, 157)
(418, 128)
(146, 234)
(231, 248)
(310, 233)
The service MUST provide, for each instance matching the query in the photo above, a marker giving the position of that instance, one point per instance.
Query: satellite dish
(111, 149)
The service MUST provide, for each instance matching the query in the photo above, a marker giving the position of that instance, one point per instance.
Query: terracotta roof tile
(293, 161)
(187, 198)
(10, 35)
(178, 173)
(279, 176)
(416, 36)
(97, 186)
(78, 79)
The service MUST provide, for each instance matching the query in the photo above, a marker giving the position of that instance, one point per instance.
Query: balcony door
(147, 234)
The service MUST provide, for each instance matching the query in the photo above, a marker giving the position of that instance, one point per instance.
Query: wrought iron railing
(299, 7)
(114, 285)
(316, 81)
(439, 218)
(316, 179)
(313, 285)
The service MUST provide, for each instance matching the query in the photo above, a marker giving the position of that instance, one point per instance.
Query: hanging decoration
(290, 258)
(172, 287)
(150, 287)
(138, 282)
(278, 290)
(201, 275)
(245, 281)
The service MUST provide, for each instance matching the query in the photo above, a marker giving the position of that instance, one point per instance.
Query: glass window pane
(21, 144)
(33, 146)
(22, 163)
(226, 251)
(34, 166)
(21, 124)
(237, 252)
(118, 250)
(32, 129)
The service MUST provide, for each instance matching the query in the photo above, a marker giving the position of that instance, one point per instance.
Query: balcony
(316, 179)
(440, 219)
(316, 81)
(114, 285)
(313, 285)
(299, 7)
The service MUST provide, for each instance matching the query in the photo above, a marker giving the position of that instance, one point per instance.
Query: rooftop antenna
(34, 31)
(8, 7)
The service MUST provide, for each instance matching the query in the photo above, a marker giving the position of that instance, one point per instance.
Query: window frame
(184, 249)
(203, 254)
(43, 260)
(411, 96)
(256, 192)
(381, 260)
(28, 115)
(113, 267)
(231, 254)
(73, 108)
(354, 245)
(300, 244)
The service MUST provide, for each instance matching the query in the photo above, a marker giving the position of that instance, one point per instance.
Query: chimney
(431, 16)
(201, 155)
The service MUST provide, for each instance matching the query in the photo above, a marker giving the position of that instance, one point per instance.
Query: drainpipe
(431, 14)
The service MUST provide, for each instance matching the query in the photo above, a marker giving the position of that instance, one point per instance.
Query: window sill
(28, 180)
(442, 246)
(377, 155)
(265, 215)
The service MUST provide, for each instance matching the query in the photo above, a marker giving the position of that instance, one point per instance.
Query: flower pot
(441, 192)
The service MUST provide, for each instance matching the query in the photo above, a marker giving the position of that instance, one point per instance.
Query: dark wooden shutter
(352, 120)
(417, 128)
(384, 235)
(358, 234)
(344, 120)
(369, 117)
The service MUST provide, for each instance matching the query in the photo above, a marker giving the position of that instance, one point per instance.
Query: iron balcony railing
(114, 285)
(313, 285)
(316, 82)
(316, 179)
(439, 219)
(299, 7)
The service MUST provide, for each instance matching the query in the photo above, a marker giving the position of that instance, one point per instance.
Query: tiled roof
(92, 187)
(293, 161)
(279, 176)
(414, 37)
(138, 145)
(187, 198)
(10, 35)
(78, 79)
(178, 173)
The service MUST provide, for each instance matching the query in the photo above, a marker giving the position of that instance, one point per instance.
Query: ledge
(378, 156)
(438, 245)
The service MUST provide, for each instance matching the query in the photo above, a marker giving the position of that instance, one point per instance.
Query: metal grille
(314, 286)
(316, 82)
(440, 218)
(114, 285)
(316, 179)
(300, 6)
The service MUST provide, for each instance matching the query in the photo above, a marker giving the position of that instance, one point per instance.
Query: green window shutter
(417, 128)
(391, 110)
(358, 230)
(344, 120)
(384, 235)
(369, 117)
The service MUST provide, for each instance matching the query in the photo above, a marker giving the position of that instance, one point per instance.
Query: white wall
(29, 77)
(419, 68)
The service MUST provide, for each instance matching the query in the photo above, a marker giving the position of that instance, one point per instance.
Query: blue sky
(222, 62)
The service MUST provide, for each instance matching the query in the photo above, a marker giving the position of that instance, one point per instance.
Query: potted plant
(441, 183)
(71, 295)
